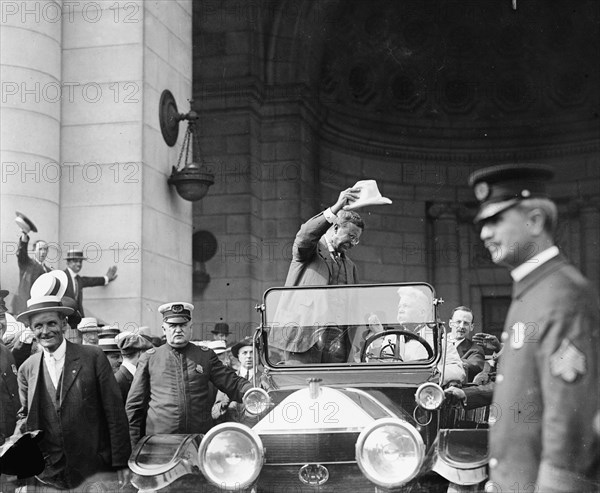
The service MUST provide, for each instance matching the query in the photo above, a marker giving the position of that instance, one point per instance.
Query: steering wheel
(396, 355)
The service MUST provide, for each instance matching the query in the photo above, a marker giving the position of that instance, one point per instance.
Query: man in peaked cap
(76, 283)
(547, 437)
(170, 391)
(69, 391)
(131, 345)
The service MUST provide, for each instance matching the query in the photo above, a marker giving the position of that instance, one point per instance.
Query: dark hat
(130, 343)
(501, 187)
(221, 328)
(73, 254)
(75, 317)
(20, 455)
(177, 311)
(46, 295)
(246, 341)
(25, 223)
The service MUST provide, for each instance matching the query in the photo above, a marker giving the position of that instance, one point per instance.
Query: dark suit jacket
(473, 357)
(9, 393)
(84, 282)
(311, 265)
(124, 378)
(93, 420)
(29, 270)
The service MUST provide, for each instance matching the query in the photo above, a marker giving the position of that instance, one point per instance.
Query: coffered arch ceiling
(455, 74)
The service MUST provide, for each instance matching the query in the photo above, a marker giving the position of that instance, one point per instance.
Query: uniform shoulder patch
(151, 351)
(568, 362)
(204, 348)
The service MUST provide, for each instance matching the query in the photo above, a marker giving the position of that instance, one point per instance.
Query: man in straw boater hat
(69, 391)
(547, 437)
(76, 283)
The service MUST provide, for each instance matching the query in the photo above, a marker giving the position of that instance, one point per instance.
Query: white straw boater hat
(46, 295)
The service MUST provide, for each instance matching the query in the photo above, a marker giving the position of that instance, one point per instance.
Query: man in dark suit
(9, 394)
(547, 436)
(76, 283)
(471, 354)
(29, 270)
(69, 391)
(132, 346)
(319, 259)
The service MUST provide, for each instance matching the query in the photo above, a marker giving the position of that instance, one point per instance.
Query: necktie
(53, 370)
(77, 278)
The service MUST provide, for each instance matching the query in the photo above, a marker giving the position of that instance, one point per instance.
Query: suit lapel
(70, 370)
(33, 390)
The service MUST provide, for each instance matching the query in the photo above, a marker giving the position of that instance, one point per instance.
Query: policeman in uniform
(546, 437)
(170, 391)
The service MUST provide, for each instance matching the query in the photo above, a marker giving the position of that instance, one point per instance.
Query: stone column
(83, 154)
(30, 62)
(445, 255)
(115, 201)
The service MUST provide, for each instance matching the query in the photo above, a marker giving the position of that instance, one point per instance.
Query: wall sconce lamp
(191, 181)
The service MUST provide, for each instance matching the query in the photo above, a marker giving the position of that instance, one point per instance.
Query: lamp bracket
(169, 117)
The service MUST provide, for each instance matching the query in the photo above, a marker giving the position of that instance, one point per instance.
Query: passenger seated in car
(414, 310)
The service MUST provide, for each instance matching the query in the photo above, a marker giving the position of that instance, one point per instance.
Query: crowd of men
(97, 399)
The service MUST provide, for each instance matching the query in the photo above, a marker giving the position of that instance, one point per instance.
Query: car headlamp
(231, 456)
(256, 401)
(429, 396)
(390, 452)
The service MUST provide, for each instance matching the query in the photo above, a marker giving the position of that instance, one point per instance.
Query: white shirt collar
(71, 272)
(518, 273)
(129, 367)
(59, 354)
(332, 251)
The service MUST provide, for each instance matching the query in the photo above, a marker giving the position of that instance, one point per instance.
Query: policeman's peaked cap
(498, 188)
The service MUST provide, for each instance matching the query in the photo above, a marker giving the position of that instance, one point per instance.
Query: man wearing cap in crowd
(9, 392)
(29, 270)
(220, 332)
(131, 345)
(547, 438)
(170, 391)
(69, 391)
(244, 353)
(107, 342)
(76, 284)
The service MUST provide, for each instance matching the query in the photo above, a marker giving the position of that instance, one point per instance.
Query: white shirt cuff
(329, 215)
(106, 281)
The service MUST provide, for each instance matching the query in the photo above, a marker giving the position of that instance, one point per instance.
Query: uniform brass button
(499, 378)
(493, 463)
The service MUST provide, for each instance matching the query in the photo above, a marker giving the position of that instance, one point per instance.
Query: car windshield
(371, 324)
